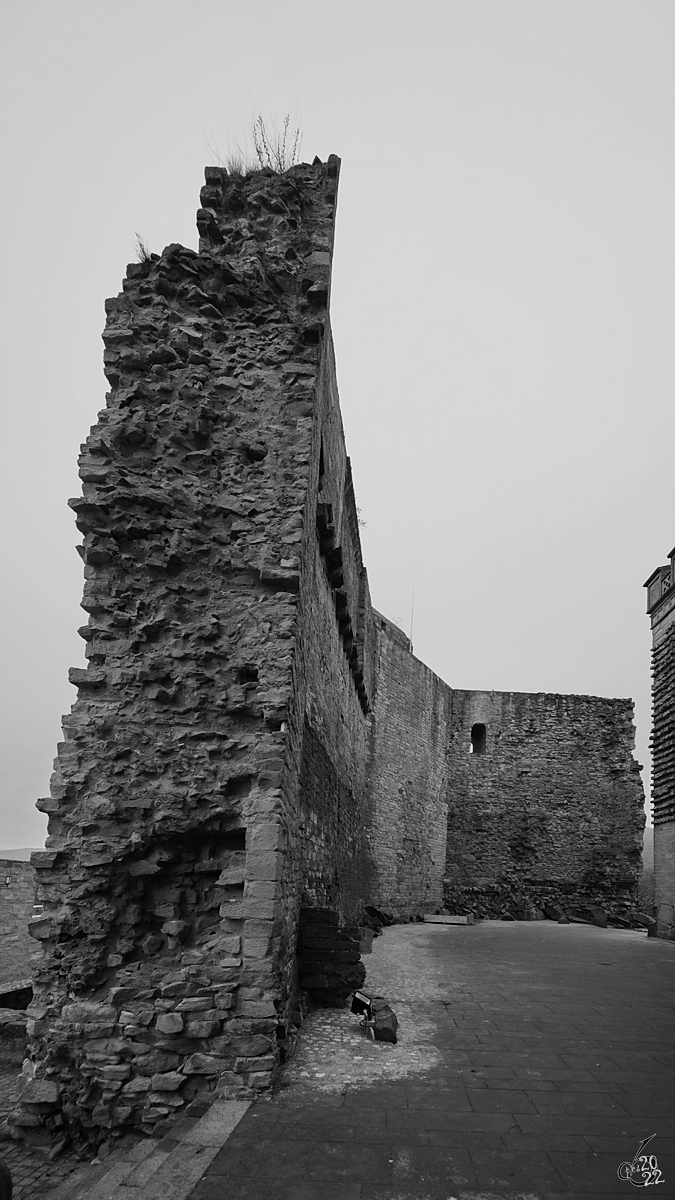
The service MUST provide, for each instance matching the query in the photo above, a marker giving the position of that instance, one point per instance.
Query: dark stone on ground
(599, 916)
(386, 1022)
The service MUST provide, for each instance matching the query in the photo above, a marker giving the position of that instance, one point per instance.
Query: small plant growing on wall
(142, 249)
(274, 149)
(278, 150)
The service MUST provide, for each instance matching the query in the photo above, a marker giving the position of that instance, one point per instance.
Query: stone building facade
(661, 609)
(252, 740)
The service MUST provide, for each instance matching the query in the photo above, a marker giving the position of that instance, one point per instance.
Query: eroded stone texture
(213, 769)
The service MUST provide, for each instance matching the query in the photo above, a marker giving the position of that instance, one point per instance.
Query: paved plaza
(533, 1059)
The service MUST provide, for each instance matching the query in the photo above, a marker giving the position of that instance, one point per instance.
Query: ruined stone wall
(327, 864)
(212, 768)
(409, 777)
(549, 811)
(544, 806)
(252, 745)
(17, 950)
(661, 606)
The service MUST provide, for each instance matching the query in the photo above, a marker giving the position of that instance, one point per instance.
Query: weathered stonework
(213, 771)
(251, 740)
(17, 951)
(409, 777)
(661, 608)
(549, 813)
(546, 810)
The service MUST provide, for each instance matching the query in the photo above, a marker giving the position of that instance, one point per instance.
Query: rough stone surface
(409, 776)
(547, 812)
(550, 812)
(17, 951)
(212, 775)
(329, 965)
(661, 608)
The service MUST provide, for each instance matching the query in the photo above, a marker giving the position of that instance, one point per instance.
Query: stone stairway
(148, 1170)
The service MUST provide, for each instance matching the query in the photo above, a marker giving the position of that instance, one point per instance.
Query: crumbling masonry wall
(211, 779)
(255, 753)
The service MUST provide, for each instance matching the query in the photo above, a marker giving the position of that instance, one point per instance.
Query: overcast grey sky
(502, 308)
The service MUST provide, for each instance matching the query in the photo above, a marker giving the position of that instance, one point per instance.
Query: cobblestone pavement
(532, 1060)
(33, 1175)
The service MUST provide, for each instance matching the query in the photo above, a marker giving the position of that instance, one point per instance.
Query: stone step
(444, 919)
(149, 1170)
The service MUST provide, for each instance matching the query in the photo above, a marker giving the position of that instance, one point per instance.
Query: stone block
(445, 919)
(250, 1047)
(258, 909)
(266, 1062)
(598, 916)
(40, 1091)
(264, 865)
(204, 1064)
(118, 995)
(202, 1026)
(169, 1023)
(136, 1086)
(266, 836)
(256, 950)
(257, 1008)
(167, 1081)
(230, 876)
(225, 1001)
(88, 1012)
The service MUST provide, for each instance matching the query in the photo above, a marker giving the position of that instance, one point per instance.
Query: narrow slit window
(478, 739)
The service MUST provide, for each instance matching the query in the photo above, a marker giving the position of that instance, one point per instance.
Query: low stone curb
(164, 1170)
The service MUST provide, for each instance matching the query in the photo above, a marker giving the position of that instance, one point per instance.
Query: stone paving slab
(517, 1074)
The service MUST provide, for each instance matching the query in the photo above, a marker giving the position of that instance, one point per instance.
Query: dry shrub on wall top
(142, 250)
(274, 149)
